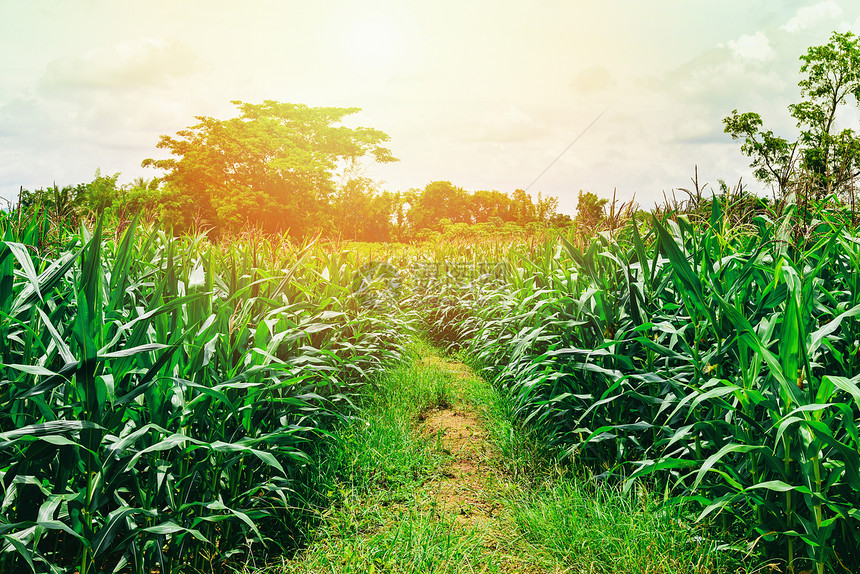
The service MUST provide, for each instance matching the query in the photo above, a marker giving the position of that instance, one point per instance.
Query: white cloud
(484, 94)
(754, 47)
(594, 79)
(809, 15)
(504, 124)
(142, 62)
(103, 106)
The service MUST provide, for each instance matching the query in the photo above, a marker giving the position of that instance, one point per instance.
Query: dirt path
(470, 486)
(462, 489)
(451, 519)
(435, 495)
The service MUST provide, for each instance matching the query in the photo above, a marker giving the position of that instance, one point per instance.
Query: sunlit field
(261, 361)
(167, 401)
(164, 400)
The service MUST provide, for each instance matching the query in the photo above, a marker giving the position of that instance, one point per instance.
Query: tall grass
(721, 365)
(162, 398)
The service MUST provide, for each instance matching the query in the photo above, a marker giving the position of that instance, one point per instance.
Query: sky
(552, 96)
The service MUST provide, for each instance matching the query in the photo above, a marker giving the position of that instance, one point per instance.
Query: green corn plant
(722, 365)
(163, 396)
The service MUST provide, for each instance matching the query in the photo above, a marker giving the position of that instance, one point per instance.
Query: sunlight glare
(372, 44)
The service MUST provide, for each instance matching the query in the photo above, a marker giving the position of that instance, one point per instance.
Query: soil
(468, 486)
(461, 490)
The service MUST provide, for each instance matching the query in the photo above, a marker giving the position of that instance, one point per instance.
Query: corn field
(721, 366)
(163, 399)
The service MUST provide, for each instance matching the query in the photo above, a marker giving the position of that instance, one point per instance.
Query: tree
(440, 200)
(486, 205)
(773, 157)
(361, 212)
(546, 208)
(523, 209)
(271, 167)
(828, 157)
(589, 212)
(60, 204)
(101, 193)
(70, 202)
(401, 204)
(142, 196)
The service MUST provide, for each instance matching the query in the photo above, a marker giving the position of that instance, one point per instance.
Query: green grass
(361, 538)
(583, 524)
(522, 454)
(719, 365)
(377, 447)
(590, 527)
(381, 518)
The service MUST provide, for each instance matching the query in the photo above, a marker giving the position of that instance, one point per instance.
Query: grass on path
(590, 527)
(435, 476)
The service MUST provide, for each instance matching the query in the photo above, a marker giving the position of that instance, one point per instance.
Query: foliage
(272, 166)
(140, 198)
(589, 211)
(721, 365)
(354, 208)
(441, 204)
(360, 212)
(439, 200)
(66, 208)
(101, 193)
(163, 398)
(488, 206)
(829, 159)
(62, 205)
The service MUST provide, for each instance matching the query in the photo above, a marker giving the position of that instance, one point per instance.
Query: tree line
(356, 210)
(290, 168)
(287, 168)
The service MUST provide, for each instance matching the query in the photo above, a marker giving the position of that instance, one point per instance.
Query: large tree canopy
(272, 167)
